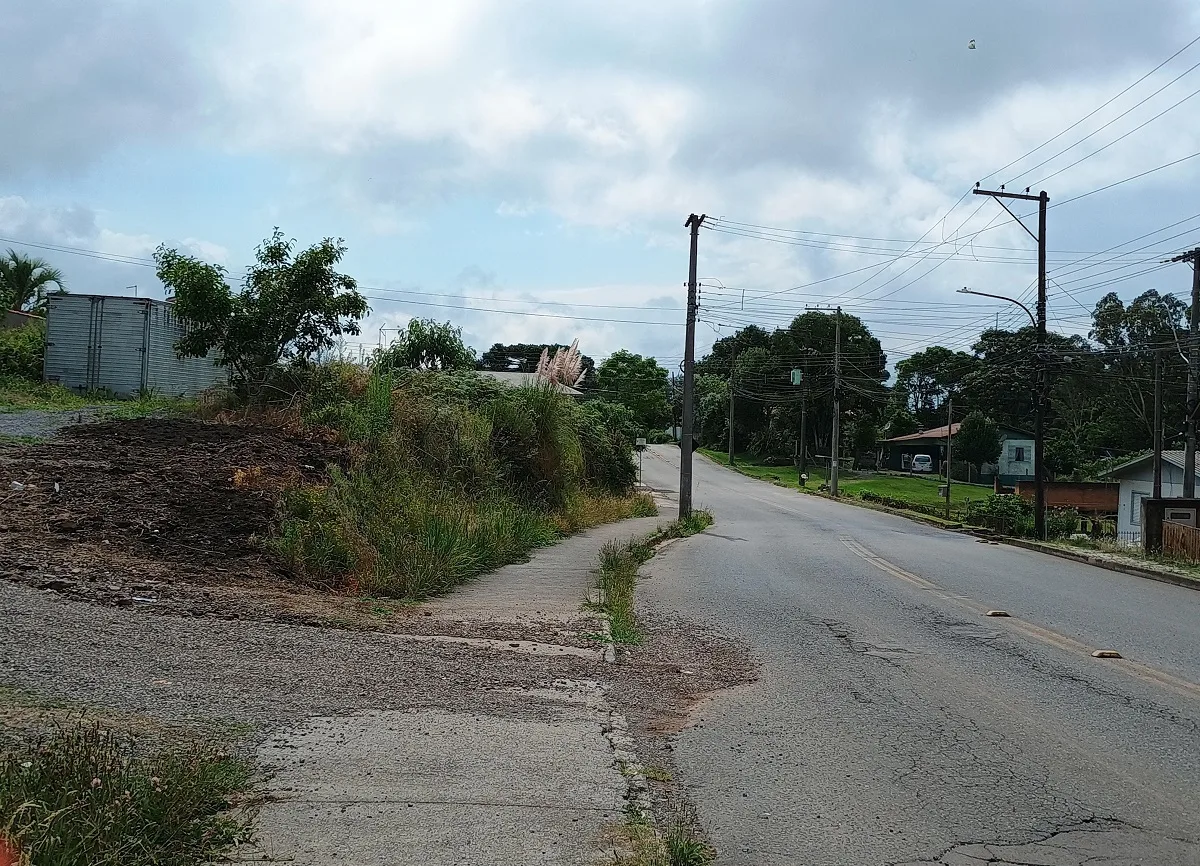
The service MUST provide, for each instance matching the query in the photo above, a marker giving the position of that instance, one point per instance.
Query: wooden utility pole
(732, 371)
(802, 461)
(1158, 437)
(1193, 384)
(1039, 398)
(689, 374)
(837, 405)
(949, 445)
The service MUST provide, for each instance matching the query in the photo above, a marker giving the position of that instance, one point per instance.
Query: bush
(659, 437)
(1004, 513)
(22, 351)
(83, 794)
(451, 474)
(1061, 522)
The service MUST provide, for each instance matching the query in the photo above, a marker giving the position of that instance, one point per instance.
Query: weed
(678, 846)
(84, 794)
(451, 475)
(617, 575)
(657, 774)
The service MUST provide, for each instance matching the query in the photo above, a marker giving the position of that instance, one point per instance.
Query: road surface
(894, 722)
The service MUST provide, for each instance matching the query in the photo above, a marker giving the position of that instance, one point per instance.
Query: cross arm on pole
(1001, 195)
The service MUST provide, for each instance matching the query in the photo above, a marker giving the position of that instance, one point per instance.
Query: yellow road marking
(1134, 669)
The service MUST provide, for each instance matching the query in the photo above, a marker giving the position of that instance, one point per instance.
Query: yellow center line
(1134, 669)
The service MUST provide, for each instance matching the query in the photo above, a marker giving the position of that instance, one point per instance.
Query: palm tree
(23, 282)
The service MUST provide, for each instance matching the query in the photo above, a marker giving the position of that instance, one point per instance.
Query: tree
(978, 440)
(429, 345)
(924, 380)
(291, 306)
(639, 383)
(523, 358)
(23, 282)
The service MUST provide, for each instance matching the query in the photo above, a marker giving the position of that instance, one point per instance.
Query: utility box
(1186, 516)
(125, 346)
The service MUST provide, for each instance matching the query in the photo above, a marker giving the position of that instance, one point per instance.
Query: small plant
(85, 794)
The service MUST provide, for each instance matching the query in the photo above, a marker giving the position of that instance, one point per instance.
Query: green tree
(639, 383)
(429, 345)
(978, 440)
(924, 380)
(523, 358)
(24, 282)
(291, 306)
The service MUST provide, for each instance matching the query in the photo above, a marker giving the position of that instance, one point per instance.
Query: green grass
(20, 395)
(619, 564)
(86, 794)
(913, 489)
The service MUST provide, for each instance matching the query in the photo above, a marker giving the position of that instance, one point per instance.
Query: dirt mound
(161, 499)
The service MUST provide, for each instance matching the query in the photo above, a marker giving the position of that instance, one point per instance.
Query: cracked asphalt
(894, 723)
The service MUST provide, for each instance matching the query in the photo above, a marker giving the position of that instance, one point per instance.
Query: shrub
(22, 351)
(1003, 512)
(451, 475)
(83, 794)
(1061, 522)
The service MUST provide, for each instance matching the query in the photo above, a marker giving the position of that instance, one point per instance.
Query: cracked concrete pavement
(892, 723)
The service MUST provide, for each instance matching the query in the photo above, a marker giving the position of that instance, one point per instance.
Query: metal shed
(123, 345)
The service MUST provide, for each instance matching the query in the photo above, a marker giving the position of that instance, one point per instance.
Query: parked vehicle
(921, 463)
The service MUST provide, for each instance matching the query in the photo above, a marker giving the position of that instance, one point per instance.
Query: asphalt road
(895, 722)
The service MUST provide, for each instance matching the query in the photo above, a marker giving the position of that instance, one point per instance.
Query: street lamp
(1039, 482)
(965, 291)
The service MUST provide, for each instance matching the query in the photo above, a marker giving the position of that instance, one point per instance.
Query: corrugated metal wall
(122, 345)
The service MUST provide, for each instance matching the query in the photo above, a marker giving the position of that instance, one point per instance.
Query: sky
(524, 168)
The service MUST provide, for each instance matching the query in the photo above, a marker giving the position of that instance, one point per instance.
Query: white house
(1137, 482)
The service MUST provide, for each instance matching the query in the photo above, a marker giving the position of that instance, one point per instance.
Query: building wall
(121, 345)
(1139, 484)
(1010, 468)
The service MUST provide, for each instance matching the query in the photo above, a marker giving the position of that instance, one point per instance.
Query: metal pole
(949, 443)
(1158, 424)
(732, 368)
(1189, 454)
(689, 360)
(1039, 444)
(837, 405)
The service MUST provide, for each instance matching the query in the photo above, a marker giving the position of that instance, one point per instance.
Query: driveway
(895, 722)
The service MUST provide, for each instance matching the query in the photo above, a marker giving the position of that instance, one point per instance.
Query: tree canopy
(24, 282)
(523, 358)
(291, 306)
(639, 383)
(978, 440)
(429, 345)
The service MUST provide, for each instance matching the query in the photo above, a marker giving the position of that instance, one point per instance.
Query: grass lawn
(915, 489)
(19, 395)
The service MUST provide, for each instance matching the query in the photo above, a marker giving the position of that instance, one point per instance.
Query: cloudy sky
(523, 168)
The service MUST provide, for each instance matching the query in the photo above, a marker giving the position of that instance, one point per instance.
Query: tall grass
(83, 794)
(451, 475)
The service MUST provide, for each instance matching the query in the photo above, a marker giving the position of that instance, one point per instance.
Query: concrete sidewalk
(493, 787)
(551, 587)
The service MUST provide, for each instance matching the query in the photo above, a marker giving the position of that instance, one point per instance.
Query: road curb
(1099, 562)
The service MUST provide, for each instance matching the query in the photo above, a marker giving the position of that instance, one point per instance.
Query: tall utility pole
(949, 445)
(802, 461)
(1189, 449)
(835, 448)
(1039, 399)
(689, 374)
(732, 370)
(1158, 424)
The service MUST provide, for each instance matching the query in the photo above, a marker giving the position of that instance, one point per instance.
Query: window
(1018, 454)
(1135, 507)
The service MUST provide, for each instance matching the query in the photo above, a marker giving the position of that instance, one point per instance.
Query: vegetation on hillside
(450, 475)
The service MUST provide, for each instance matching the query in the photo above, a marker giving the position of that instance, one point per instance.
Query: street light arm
(966, 291)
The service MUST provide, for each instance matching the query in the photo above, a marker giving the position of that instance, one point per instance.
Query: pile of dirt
(148, 501)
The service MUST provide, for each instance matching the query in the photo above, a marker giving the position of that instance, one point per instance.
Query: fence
(1180, 541)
